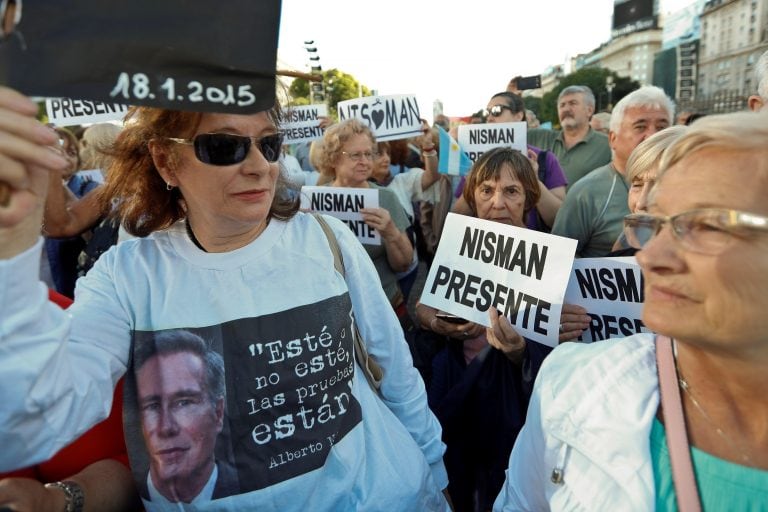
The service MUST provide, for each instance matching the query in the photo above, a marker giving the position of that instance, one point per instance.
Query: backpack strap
(374, 374)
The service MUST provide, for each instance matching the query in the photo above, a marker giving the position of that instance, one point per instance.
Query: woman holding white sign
(349, 149)
(270, 408)
(482, 381)
(678, 420)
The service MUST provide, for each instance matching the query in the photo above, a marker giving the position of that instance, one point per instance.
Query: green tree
(594, 78)
(337, 86)
(533, 103)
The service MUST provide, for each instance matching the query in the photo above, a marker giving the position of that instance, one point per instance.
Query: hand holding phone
(450, 318)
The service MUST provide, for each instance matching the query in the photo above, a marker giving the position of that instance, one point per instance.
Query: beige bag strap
(373, 372)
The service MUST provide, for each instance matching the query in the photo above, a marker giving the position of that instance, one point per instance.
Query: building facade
(734, 33)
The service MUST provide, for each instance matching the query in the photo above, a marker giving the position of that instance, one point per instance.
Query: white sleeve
(54, 386)
(402, 389)
(524, 487)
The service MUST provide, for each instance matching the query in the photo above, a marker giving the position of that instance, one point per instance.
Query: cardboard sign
(177, 54)
(301, 124)
(69, 112)
(523, 273)
(611, 290)
(389, 117)
(344, 204)
(476, 139)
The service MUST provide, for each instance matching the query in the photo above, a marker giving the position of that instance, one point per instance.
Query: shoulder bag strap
(373, 372)
(674, 424)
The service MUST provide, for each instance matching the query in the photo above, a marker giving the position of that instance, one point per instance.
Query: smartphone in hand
(450, 318)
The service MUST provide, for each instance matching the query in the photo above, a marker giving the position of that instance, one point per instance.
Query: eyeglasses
(705, 231)
(229, 149)
(496, 110)
(360, 155)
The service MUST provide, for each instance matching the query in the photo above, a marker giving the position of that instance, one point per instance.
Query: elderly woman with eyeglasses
(223, 253)
(482, 380)
(349, 150)
(675, 420)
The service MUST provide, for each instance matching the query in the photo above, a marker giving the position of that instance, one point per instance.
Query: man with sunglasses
(578, 147)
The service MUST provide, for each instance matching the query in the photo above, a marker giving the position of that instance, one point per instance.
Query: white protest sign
(69, 112)
(388, 117)
(301, 124)
(611, 290)
(476, 139)
(523, 273)
(344, 204)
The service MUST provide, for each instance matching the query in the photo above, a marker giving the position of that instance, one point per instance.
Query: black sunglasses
(496, 110)
(228, 149)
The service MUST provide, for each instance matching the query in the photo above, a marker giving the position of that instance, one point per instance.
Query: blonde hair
(96, 146)
(647, 154)
(335, 138)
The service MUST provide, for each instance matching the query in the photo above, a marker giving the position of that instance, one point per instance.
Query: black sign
(179, 54)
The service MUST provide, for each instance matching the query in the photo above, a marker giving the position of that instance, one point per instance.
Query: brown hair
(142, 202)
(489, 167)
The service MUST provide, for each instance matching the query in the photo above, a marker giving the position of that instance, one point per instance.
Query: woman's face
(70, 153)
(381, 165)
(502, 200)
(639, 189)
(232, 198)
(506, 115)
(709, 299)
(355, 163)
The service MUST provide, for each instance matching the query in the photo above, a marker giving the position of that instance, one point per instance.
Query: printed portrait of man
(180, 393)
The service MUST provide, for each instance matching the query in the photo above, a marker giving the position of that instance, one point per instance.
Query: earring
(168, 187)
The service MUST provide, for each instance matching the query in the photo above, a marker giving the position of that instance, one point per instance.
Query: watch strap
(73, 493)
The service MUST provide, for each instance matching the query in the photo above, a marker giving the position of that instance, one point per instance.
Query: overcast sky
(459, 52)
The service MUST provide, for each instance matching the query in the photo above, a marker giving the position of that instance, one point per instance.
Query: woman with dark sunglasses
(507, 107)
(221, 251)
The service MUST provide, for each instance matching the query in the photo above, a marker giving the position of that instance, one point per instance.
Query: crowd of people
(247, 354)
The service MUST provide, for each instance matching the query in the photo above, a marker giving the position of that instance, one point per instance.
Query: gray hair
(761, 75)
(648, 96)
(179, 340)
(589, 97)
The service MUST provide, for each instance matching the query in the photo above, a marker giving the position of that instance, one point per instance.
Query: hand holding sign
(502, 336)
(25, 159)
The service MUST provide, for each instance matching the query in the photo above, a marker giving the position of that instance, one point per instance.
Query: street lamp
(314, 68)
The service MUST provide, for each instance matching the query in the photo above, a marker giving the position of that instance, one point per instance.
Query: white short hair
(648, 96)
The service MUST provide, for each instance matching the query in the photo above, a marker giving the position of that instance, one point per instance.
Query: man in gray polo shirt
(578, 147)
(594, 208)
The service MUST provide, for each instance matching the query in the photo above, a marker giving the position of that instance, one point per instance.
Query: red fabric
(60, 300)
(104, 441)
